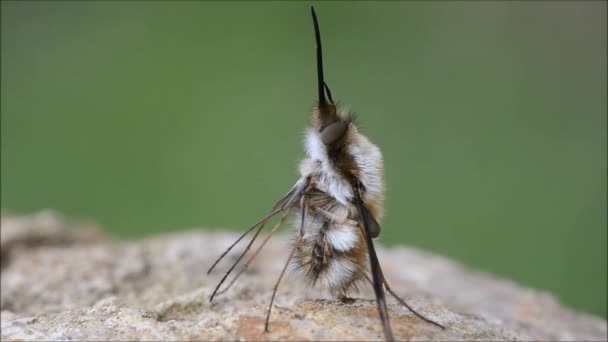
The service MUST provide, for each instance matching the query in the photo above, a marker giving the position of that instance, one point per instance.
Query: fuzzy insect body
(333, 249)
(339, 202)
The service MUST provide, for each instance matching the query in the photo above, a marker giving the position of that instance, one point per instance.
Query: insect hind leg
(293, 251)
(404, 303)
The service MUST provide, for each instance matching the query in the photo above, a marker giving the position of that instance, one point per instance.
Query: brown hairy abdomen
(315, 254)
(321, 251)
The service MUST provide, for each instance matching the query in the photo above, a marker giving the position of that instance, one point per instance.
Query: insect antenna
(276, 227)
(293, 251)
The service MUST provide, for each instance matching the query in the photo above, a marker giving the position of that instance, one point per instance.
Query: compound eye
(333, 132)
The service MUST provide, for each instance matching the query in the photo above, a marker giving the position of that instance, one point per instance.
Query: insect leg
(296, 195)
(238, 260)
(262, 222)
(279, 204)
(281, 200)
(409, 307)
(293, 251)
(276, 227)
(216, 292)
(403, 302)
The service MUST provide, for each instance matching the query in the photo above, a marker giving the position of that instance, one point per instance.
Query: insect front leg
(285, 204)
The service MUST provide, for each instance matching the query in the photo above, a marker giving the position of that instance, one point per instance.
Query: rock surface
(61, 283)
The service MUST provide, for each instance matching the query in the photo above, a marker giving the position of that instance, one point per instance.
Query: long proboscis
(320, 81)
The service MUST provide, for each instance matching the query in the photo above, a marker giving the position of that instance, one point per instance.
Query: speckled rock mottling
(61, 283)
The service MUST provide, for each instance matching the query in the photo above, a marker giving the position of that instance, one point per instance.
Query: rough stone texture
(61, 283)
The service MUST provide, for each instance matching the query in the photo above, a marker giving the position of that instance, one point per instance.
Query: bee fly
(338, 201)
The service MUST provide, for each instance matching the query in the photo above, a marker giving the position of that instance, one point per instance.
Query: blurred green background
(159, 116)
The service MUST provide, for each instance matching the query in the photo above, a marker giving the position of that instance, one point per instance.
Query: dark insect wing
(371, 229)
(366, 221)
(370, 221)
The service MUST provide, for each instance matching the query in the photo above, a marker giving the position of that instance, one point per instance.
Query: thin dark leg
(285, 203)
(255, 236)
(293, 251)
(241, 271)
(388, 288)
(403, 302)
(280, 204)
(262, 221)
(276, 227)
(276, 286)
(227, 287)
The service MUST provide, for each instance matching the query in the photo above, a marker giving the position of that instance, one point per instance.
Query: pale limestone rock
(61, 283)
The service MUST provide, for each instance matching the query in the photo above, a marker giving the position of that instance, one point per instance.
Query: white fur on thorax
(367, 156)
(330, 181)
(369, 160)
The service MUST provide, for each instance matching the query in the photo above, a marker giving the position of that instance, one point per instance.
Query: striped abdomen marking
(321, 251)
(332, 253)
